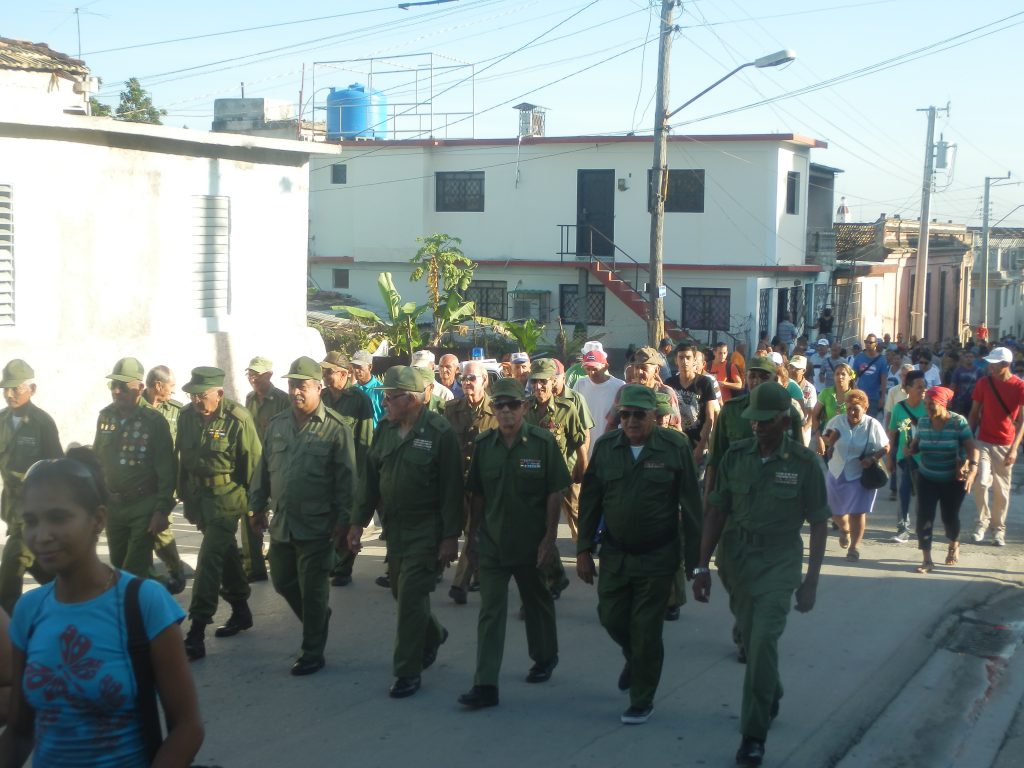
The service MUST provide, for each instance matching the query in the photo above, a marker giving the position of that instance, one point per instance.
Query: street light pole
(984, 248)
(659, 171)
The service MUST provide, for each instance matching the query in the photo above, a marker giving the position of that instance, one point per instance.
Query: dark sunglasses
(632, 415)
(469, 377)
(396, 396)
(507, 405)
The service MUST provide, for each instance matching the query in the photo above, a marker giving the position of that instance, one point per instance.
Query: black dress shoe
(625, 677)
(541, 673)
(383, 581)
(195, 644)
(340, 580)
(458, 594)
(307, 666)
(430, 654)
(404, 686)
(480, 696)
(672, 613)
(751, 752)
(240, 619)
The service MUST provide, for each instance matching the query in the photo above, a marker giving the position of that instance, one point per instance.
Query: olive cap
(648, 356)
(638, 396)
(16, 373)
(508, 388)
(426, 375)
(305, 368)
(404, 378)
(336, 361)
(260, 365)
(127, 369)
(204, 378)
(544, 368)
(664, 404)
(767, 401)
(762, 364)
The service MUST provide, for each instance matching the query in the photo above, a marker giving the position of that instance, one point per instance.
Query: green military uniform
(217, 458)
(262, 411)
(33, 439)
(469, 422)
(356, 411)
(165, 547)
(766, 503)
(515, 483)
(651, 507)
(416, 482)
(137, 455)
(309, 473)
(571, 500)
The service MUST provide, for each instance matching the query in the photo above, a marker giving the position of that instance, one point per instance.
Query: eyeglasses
(507, 405)
(870, 341)
(470, 377)
(396, 396)
(632, 415)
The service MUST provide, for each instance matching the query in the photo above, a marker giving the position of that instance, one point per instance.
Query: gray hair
(159, 374)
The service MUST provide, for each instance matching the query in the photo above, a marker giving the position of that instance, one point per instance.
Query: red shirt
(996, 425)
(718, 370)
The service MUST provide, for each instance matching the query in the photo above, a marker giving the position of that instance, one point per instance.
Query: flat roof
(776, 138)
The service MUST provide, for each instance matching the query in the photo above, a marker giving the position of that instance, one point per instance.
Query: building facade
(1005, 281)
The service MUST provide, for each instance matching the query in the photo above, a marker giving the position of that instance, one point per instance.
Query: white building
(1005, 281)
(39, 81)
(532, 211)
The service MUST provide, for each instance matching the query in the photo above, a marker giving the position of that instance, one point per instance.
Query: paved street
(871, 643)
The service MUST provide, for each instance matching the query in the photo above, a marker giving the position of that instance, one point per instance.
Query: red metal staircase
(628, 295)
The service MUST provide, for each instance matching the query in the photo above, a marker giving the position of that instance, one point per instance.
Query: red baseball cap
(595, 358)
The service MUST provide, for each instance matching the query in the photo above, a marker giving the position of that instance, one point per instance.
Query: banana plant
(400, 327)
(528, 334)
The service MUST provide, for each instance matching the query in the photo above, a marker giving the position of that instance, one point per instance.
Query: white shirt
(931, 376)
(600, 399)
(852, 442)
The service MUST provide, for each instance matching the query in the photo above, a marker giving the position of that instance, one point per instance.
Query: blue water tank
(356, 112)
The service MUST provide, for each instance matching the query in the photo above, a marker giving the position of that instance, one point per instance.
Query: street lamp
(659, 176)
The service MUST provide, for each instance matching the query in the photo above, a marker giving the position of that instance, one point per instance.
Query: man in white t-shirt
(598, 388)
(927, 366)
(822, 352)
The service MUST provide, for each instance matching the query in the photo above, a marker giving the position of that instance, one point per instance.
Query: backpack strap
(998, 396)
(142, 666)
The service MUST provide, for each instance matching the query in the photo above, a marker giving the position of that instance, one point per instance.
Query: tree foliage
(400, 327)
(98, 108)
(136, 105)
(528, 334)
(448, 272)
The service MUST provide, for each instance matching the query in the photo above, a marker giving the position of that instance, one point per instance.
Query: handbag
(875, 476)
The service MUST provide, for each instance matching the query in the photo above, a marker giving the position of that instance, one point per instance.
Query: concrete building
(36, 80)
(545, 216)
(266, 118)
(1005, 281)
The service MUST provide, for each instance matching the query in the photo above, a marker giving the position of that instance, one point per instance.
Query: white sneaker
(979, 536)
(1000, 539)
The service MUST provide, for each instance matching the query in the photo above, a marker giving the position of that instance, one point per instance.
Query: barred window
(490, 298)
(569, 305)
(459, 191)
(793, 192)
(685, 190)
(706, 309)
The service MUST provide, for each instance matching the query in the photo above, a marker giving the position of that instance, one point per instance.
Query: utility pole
(921, 280)
(659, 180)
(984, 247)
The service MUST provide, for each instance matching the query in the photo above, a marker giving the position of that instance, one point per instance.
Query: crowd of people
(693, 453)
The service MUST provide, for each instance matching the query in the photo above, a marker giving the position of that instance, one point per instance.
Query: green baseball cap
(336, 361)
(16, 373)
(204, 378)
(762, 364)
(426, 375)
(404, 378)
(648, 356)
(664, 404)
(305, 368)
(127, 369)
(260, 365)
(767, 401)
(508, 388)
(544, 368)
(638, 396)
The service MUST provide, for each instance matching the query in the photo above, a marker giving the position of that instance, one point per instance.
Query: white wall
(39, 94)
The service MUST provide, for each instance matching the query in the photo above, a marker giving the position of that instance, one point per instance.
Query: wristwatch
(698, 571)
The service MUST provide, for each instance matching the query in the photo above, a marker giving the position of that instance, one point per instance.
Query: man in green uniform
(157, 395)
(27, 434)
(470, 416)
(516, 478)
(133, 444)
(764, 491)
(362, 372)
(414, 475)
(571, 502)
(307, 467)
(218, 449)
(432, 401)
(263, 403)
(731, 427)
(561, 418)
(356, 411)
(642, 481)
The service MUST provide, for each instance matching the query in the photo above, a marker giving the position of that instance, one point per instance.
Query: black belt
(132, 495)
(660, 543)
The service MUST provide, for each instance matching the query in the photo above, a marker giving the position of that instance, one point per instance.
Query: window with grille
(6, 255)
(339, 173)
(706, 309)
(339, 278)
(459, 191)
(490, 298)
(569, 305)
(685, 190)
(793, 192)
(211, 234)
(763, 303)
(530, 304)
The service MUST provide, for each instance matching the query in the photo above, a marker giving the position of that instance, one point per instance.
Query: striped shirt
(939, 451)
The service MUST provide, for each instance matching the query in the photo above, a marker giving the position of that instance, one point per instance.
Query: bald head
(448, 369)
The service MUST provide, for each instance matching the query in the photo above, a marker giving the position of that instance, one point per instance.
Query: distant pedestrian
(902, 427)
(786, 331)
(362, 372)
(598, 388)
(727, 373)
(869, 367)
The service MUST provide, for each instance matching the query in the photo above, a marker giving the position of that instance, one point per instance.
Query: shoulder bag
(875, 476)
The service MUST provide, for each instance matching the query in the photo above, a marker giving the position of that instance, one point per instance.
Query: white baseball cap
(776, 358)
(592, 345)
(424, 358)
(999, 355)
(822, 342)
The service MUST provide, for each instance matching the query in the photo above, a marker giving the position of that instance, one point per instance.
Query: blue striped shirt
(940, 452)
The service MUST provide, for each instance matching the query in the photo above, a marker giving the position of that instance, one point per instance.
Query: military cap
(403, 377)
(648, 356)
(305, 368)
(204, 378)
(127, 369)
(544, 368)
(260, 365)
(363, 359)
(507, 388)
(426, 375)
(336, 361)
(762, 364)
(664, 404)
(638, 396)
(16, 373)
(767, 401)
(799, 362)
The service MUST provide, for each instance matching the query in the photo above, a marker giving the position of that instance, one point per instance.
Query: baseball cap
(403, 377)
(519, 358)
(507, 388)
(204, 378)
(363, 359)
(823, 342)
(767, 401)
(592, 345)
(424, 358)
(664, 404)
(127, 369)
(799, 362)
(999, 355)
(426, 375)
(559, 367)
(543, 369)
(776, 358)
(336, 361)
(16, 373)
(595, 358)
(260, 365)
(305, 368)
(648, 356)
(761, 364)
(638, 396)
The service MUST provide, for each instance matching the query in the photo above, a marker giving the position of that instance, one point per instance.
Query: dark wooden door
(595, 212)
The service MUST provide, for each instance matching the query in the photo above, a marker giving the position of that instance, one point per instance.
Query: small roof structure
(39, 57)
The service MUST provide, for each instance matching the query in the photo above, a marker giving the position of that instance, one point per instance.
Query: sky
(864, 70)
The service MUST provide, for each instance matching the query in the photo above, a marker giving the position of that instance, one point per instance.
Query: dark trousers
(906, 485)
(299, 571)
(948, 496)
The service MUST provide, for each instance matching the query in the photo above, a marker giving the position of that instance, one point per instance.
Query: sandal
(953, 556)
(844, 539)
(925, 567)
(853, 555)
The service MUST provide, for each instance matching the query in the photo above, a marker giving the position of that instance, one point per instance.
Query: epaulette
(237, 411)
(483, 435)
(174, 403)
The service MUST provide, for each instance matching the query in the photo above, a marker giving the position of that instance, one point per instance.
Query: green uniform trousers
(252, 553)
(167, 550)
(344, 558)
(218, 564)
(725, 576)
(632, 610)
(130, 543)
(677, 594)
(761, 620)
(412, 580)
(17, 558)
(539, 610)
(468, 565)
(299, 571)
